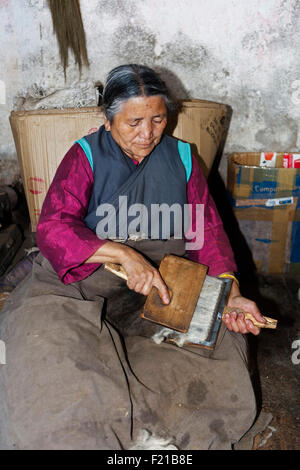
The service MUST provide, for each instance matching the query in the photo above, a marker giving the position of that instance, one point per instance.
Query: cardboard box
(266, 202)
(204, 124)
(43, 137)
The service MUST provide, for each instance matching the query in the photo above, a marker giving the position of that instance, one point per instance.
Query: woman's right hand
(142, 276)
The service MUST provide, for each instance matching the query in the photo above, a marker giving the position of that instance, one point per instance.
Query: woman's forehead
(143, 105)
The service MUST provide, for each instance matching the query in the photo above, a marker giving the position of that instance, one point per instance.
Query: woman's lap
(72, 382)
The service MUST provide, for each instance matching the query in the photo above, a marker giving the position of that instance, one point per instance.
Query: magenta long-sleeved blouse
(65, 240)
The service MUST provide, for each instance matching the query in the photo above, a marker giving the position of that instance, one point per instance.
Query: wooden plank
(184, 279)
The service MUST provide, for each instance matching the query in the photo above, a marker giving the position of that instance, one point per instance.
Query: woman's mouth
(145, 145)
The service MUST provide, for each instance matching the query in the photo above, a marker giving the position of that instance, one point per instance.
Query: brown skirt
(82, 371)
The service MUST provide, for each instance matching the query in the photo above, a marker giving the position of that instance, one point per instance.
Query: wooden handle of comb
(116, 269)
(270, 322)
(119, 271)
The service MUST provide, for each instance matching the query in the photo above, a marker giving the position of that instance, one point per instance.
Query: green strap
(184, 150)
(185, 153)
(87, 150)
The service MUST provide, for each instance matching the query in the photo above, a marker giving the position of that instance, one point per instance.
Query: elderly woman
(83, 371)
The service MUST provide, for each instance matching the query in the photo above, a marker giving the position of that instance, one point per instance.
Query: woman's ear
(107, 124)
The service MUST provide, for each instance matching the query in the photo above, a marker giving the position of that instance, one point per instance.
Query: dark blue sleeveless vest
(137, 201)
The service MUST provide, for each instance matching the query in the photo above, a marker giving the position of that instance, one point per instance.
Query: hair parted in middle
(130, 81)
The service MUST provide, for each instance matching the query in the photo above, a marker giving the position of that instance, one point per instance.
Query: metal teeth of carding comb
(207, 316)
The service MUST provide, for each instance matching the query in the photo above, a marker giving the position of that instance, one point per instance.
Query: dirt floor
(275, 358)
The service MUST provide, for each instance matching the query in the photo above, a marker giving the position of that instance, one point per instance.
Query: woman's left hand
(236, 321)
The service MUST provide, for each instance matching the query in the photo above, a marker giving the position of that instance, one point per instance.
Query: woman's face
(138, 127)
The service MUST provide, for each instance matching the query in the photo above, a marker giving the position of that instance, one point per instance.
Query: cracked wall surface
(245, 54)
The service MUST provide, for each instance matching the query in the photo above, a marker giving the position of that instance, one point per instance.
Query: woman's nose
(147, 131)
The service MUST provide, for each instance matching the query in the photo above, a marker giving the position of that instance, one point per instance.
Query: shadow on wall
(174, 84)
(177, 91)
(243, 256)
(214, 123)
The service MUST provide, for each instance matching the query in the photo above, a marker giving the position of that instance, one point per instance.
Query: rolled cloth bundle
(68, 26)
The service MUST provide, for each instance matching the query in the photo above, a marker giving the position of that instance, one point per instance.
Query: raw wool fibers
(203, 318)
(68, 26)
(148, 441)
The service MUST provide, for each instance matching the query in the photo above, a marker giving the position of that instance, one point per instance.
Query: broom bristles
(68, 27)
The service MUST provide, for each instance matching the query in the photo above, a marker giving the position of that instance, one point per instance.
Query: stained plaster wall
(240, 52)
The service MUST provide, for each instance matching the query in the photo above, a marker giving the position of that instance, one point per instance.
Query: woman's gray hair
(130, 81)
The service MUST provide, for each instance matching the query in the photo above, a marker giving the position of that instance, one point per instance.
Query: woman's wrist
(235, 287)
(110, 252)
(234, 291)
(230, 275)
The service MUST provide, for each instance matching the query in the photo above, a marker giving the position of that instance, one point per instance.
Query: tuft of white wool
(148, 441)
(161, 335)
(31, 250)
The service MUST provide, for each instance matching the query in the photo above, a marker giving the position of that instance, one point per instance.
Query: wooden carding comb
(197, 305)
(184, 280)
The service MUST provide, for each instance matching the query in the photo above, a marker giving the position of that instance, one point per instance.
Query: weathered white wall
(240, 52)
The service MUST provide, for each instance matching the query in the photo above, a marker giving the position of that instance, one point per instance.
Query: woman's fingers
(242, 324)
(142, 276)
(253, 309)
(153, 280)
(251, 328)
(237, 323)
(143, 285)
(232, 322)
(162, 288)
(140, 281)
